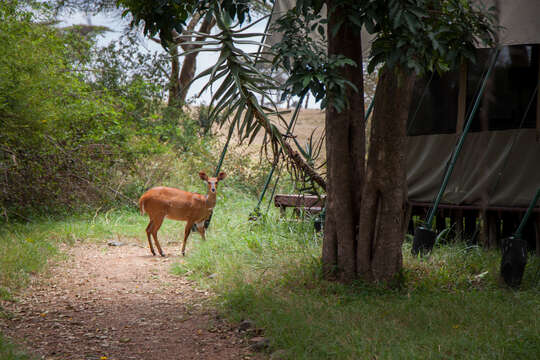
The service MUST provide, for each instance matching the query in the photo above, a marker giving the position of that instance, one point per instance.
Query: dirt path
(115, 303)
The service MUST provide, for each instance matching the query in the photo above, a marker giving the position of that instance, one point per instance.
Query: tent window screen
(508, 91)
(437, 112)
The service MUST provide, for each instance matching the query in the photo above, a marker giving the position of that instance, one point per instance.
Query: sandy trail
(114, 303)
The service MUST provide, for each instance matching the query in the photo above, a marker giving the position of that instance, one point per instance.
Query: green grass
(452, 305)
(9, 351)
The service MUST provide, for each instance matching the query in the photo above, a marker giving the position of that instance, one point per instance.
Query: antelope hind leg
(148, 234)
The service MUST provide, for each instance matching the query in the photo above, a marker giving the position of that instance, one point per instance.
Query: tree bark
(345, 153)
(189, 66)
(180, 78)
(174, 90)
(384, 195)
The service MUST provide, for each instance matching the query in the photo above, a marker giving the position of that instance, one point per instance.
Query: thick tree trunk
(345, 153)
(380, 231)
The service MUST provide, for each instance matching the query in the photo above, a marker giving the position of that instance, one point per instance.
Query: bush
(78, 122)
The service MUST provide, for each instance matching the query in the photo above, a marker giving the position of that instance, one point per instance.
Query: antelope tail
(141, 205)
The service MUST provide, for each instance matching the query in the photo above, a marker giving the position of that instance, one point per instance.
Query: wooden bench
(310, 204)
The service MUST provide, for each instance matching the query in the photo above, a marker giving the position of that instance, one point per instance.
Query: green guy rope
(514, 251)
(218, 168)
(370, 108)
(429, 221)
(519, 230)
(224, 151)
(256, 211)
(424, 237)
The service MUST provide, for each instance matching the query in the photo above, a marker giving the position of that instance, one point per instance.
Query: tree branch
(179, 39)
(190, 64)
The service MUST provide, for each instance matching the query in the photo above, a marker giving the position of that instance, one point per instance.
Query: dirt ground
(118, 302)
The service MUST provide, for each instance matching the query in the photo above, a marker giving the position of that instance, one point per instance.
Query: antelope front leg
(187, 231)
(155, 227)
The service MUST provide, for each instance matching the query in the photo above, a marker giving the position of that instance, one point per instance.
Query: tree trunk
(384, 195)
(345, 152)
(180, 79)
(174, 90)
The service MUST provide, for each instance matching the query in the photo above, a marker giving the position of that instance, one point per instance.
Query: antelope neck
(210, 200)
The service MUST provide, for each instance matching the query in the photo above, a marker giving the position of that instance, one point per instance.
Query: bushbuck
(161, 202)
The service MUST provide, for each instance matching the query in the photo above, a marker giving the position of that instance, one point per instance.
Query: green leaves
(73, 122)
(159, 17)
(426, 35)
(305, 58)
(165, 16)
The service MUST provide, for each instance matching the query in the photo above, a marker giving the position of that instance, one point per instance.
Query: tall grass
(450, 305)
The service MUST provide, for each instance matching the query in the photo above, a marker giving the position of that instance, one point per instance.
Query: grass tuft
(9, 351)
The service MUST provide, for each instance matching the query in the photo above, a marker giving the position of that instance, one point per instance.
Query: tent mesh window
(434, 107)
(508, 91)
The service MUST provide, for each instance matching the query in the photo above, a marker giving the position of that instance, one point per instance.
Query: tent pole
(519, 230)
(425, 237)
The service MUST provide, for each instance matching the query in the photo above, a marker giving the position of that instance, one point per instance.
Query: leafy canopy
(419, 36)
(163, 17)
(412, 35)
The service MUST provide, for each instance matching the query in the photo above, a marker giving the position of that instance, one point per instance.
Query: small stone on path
(115, 243)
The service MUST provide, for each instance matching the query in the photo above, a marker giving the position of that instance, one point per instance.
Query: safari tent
(497, 172)
(498, 169)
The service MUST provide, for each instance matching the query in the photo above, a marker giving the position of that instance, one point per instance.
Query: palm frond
(240, 82)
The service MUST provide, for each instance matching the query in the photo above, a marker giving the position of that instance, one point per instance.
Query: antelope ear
(203, 175)
(221, 176)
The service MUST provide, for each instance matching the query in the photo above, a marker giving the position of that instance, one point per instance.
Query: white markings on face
(212, 184)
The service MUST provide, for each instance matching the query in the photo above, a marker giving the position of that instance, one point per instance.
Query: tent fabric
(498, 168)
(518, 21)
(282, 6)
(490, 171)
